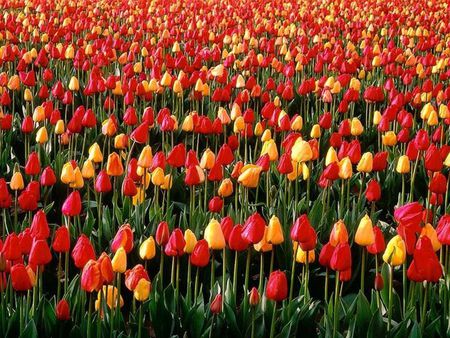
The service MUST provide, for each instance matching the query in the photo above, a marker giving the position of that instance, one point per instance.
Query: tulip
(214, 236)
(395, 252)
(123, 239)
(82, 252)
(147, 250)
(62, 310)
(40, 253)
(114, 165)
(301, 151)
(22, 279)
(142, 290)
(91, 277)
(95, 154)
(364, 233)
(190, 240)
(72, 204)
(119, 261)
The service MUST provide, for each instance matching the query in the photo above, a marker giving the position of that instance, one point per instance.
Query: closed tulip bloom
(59, 127)
(277, 286)
(216, 304)
(403, 165)
(48, 177)
(91, 279)
(114, 165)
(119, 261)
(303, 233)
(345, 168)
(356, 127)
(225, 188)
(145, 157)
(214, 236)
(42, 135)
(315, 131)
(61, 240)
(129, 188)
(443, 230)
(103, 182)
(365, 163)
(162, 233)
(142, 290)
(88, 171)
(200, 255)
(425, 265)
(175, 245)
(20, 278)
(339, 233)
(341, 260)
(395, 253)
(373, 191)
(67, 173)
(62, 310)
(190, 240)
(378, 246)
(95, 154)
(11, 248)
(250, 177)
(254, 228)
(106, 269)
(26, 241)
(389, 139)
(17, 181)
(39, 226)
(33, 166)
(253, 297)
(72, 204)
(301, 151)
(208, 159)
(275, 231)
(364, 233)
(123, 239)
(409, 215)
(325, 255)
(147, 249)
(235, 241)
(83, 251)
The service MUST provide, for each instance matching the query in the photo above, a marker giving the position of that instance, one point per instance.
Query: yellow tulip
(208, 159)
(17, 181)
(214, 236)
(365, 164)
(142, 290)
(147, 249)
(250, 177)
(119, 261)
(395, 252)
(225, 188)
(301, 151)
(67, 173)
(345, 168)
(95, 154)
(42, 135)
(269, 147)
(145, 157)
(275, 231)
(190, 240)
(364, 233)
(403, 165)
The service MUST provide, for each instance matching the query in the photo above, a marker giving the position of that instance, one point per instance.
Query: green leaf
(30, 330)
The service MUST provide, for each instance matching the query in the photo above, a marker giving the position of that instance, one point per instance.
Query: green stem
(272, 324)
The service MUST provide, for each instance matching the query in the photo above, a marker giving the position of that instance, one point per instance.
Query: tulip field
(207, 168)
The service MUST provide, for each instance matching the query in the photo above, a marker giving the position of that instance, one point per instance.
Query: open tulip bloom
(224, 168)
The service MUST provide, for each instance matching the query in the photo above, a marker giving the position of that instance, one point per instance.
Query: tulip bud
(62, 310)
(253, 297)
(378, 282)
(216, 305)
(17, 181)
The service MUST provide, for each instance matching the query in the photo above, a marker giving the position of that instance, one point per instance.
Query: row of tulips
(260, 169)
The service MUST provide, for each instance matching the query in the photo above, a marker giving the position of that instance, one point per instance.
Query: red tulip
(162, 233)
(200, 256)
(33, 166)
(40, 253)
(425, 265)
(26, 241)
(72, 204)
(106, 269)
(443, 230)
(62, 310)
(103, 182)
(373, 191)
(91, 279)
(61, 240)
(11, 248)
(123, 238)
(277, 286)
(129, 188)
(5, 197)
(83, 251)
(254, 227)
(225, 155)
(48, 177)
(175, 246)
(341, 259)
(303, 233)
(215, 204)
(140, 134)
(216, 304)
(177, 156)
(39, 226)
(325, 255)
(433, 160)
(20, 278)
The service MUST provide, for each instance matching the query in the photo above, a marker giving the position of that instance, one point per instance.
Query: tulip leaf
(30, 330)
(231, 320)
